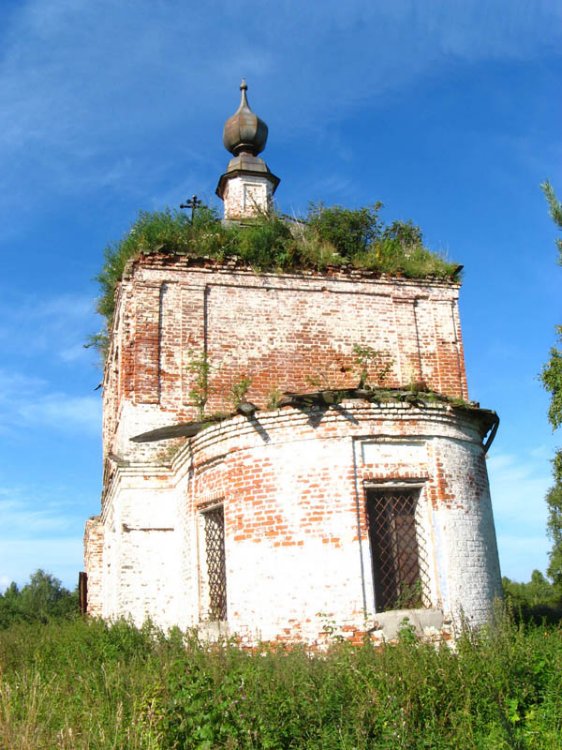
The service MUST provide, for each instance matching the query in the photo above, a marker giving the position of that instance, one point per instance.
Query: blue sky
(449, 112)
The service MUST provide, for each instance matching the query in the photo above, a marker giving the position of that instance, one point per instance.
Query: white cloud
(41, 528)
(64, 412)
(518, 488)
(38, 334)
(12, 383)
(28, 402)
(520, 555)
(48, 326)
(72, 353)
(100, 94)
(61, 556)
(29, 517)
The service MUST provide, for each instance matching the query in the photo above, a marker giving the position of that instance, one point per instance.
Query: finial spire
(247, 186)
(244, 132)
(244, 98)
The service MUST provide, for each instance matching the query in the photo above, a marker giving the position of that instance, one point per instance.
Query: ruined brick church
(319, 497)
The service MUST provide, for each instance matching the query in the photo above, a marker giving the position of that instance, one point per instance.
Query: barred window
(214, 572)
(398, 550)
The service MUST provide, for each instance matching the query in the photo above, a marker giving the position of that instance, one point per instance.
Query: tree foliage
(555, 208)
(554, 524)
(537, 591)
(552, 380)
(534, 601)
(42, 599)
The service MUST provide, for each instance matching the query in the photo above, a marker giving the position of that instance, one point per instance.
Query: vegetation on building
(326, 237)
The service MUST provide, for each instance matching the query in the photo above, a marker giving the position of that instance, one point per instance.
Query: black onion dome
(244, 132)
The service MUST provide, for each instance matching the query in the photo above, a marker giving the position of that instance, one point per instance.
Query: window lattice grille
(398, 549)
(216, 564)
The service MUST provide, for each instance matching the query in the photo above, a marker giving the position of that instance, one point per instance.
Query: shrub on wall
(334, 236)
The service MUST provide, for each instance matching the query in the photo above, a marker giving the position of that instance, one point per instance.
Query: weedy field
(85, 684)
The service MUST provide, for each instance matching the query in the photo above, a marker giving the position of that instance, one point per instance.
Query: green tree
(552, 380)
(538, 591)
(40, 600)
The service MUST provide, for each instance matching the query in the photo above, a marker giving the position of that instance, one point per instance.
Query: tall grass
(85, 684)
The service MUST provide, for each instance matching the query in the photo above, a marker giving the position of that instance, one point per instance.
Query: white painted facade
(247, 196)
(298, 559)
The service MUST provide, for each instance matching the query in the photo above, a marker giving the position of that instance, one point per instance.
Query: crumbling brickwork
(292, 482)
(94, 563)
(284, 332)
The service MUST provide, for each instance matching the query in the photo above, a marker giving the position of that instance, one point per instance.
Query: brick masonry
(292, 482)
(246, 196)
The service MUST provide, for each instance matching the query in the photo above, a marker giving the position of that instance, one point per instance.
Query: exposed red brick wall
(93, 546)
(284, 332)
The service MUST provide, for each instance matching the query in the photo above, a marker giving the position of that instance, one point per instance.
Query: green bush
(160, 231)
(534, 601)
(350, 231)
(42, 599)
(409, 695)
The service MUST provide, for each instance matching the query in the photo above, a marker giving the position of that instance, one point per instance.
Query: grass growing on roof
(327, 236)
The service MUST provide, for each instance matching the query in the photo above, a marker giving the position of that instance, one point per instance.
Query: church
(288, 454)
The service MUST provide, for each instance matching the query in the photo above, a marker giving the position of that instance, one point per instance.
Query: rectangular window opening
(215, 563)
(398, 552)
